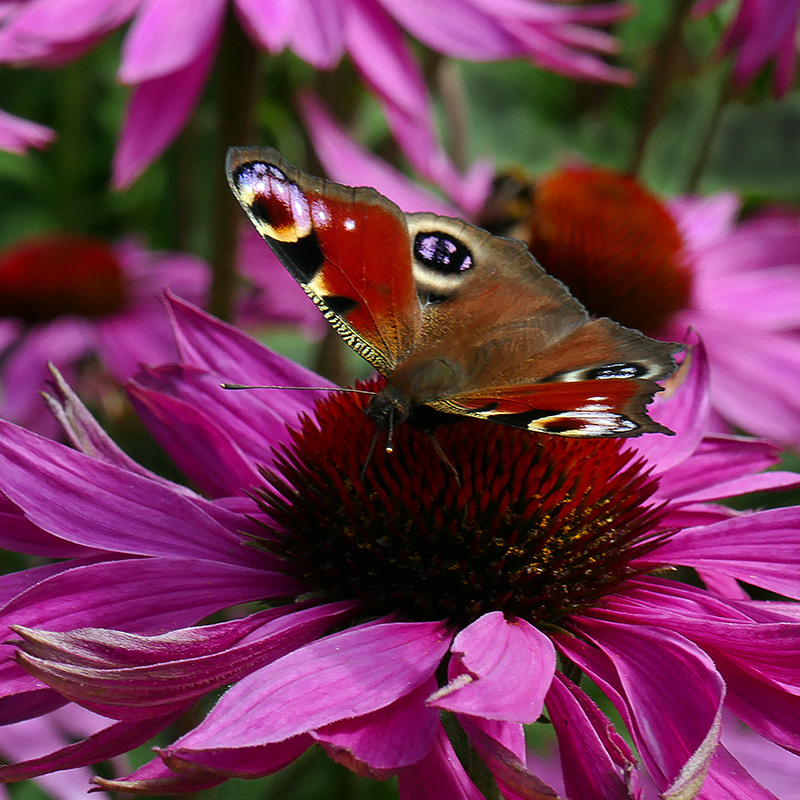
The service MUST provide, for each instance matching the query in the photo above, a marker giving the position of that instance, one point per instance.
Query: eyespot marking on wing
(628, 370)
(439, 263)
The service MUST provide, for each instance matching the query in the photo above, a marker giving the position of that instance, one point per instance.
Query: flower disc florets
(535, 526)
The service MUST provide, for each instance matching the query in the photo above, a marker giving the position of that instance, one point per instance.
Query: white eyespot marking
(260, 187)
(594, 407)
(320, 214)
(349, 224)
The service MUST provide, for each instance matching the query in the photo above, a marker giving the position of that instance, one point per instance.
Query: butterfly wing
(349, 249)
(502, 340)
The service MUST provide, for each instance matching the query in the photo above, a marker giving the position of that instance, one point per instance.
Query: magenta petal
(156, 778)
(93, 503)
(512, 776)
(396, 736)
(240, 762)
(116, 738)
(155, 115)
(727, 778)
(675, 731)
(600, 763)
(17, 135)
(439, 775)
(384, 59)
(236, 357)
(141, 595)
(86, 435)
(318, 32)
(86, 665)
(209, 458)
(344, 675)
(167, 36)
(500, 669)
(268, 21)
(761, 548)
(347, 162)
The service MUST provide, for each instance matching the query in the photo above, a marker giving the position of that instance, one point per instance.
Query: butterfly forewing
(348, 248)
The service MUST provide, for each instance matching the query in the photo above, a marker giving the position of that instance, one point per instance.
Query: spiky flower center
(613, 244)
(537, 526)
(41, 279)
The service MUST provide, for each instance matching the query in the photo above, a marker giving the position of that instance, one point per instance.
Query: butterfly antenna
(369, 453)
(443, 456)
(297, 388)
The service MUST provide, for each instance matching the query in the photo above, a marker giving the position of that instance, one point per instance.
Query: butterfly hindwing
(348, 248)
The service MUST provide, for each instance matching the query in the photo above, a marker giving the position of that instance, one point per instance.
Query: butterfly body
(458, 321)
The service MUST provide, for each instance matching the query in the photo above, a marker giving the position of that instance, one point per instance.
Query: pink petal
(156, 114)
(760, 548)
(236, 357)
(116, 738)
(240, 762)
(599, 762)
(455, 28)
(674, 731)
(439, 775)
(347, 162)
(166, 594)
(17, 134)
(156, 778)
(168, 36)
(318, 32)
(500, 669)
(396, 736)
(85, 666)
(212, 460)
(86, 435)
(728, 778)
(268, 21)
(705, 220)
(101, 505)
(508, 769)
(342, 676)
(63, 342)
(384, 59)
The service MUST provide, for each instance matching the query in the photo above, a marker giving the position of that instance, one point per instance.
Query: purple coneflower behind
(401, 599)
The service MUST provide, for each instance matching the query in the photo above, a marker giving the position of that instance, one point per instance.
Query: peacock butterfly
(458, 321)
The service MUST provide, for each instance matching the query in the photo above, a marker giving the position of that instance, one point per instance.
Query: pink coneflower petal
(168, 36)
(315, 686)
(155, 115)
(638, 670)
(319, 32)
(501, 669)
(99, 747)
(385, 60)
(181, 592)
(135, 677)
(347, 162)
(268, 21)
(439, 774)
(760, 550)
(17, 134)
(153, 516)
(388, 739)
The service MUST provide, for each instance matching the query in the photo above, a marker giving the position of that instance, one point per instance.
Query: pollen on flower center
(612, 243)
(45, 278)
(539, 526)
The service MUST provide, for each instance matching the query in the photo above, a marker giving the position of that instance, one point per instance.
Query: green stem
(703, 152)
(71, 145)
(450, 82)
(238, 82)
(665, 60)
